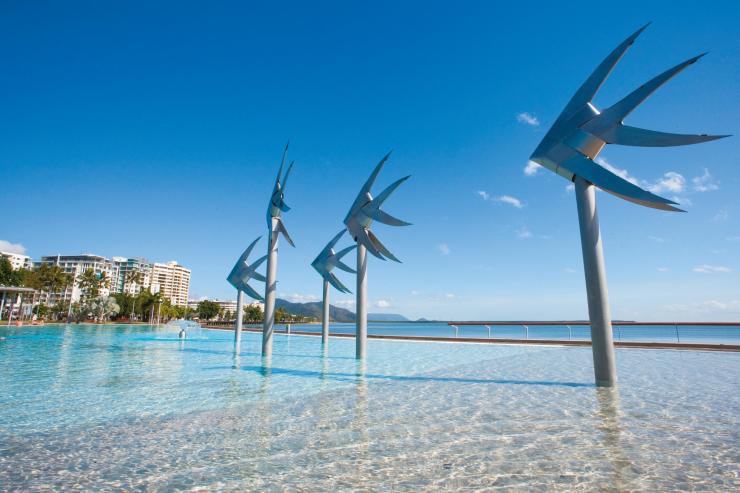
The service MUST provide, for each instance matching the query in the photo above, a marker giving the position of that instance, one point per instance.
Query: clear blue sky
(155, 129)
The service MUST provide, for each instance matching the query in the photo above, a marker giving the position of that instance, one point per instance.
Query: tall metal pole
(239, 318)
(270, 290)
(325, 315)
(605, 369)
(361, 305)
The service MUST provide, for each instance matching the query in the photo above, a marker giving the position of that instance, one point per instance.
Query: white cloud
(733, 238)
(705, 182)
(383, 303)
(449, 296)
(656, 239)
(532, 168)
(570, 270)
(444, 249)
(721, 216)
(708, 306)
(570, 187)
(523, 233)
(300, 298)
(508, 199)
(9, 247)
(528, 118)
(710, 269)
(662, 269)
(344, 303)
(670, 182)
(414, 292)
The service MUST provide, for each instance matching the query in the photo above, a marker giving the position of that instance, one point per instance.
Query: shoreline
(534, 342)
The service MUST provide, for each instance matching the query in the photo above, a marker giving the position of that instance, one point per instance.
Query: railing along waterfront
(579, 330)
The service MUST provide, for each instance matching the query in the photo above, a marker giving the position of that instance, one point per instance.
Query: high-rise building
(17, 261)
(172, 280)
(75, 265)
(129, 266)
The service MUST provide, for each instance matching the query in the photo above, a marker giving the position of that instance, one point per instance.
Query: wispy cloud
(528, 118)
(656, 239)
(708, 306)
(444, 249)
(9, 247)
(569, 270)
(721, 216)
(383, 303)
(670, 182)
(705, 182)
(414, 292)
(449, 296)
(662, 269)
(532, 168)
(300, 298)
(733, 238)
(523, 233)
(350, 304)
(711, 269)
(506, 199)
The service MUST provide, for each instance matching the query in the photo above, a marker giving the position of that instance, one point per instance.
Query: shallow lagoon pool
(133, 407)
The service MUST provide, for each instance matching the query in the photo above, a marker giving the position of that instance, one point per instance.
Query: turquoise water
(106, 408)
(639, 333)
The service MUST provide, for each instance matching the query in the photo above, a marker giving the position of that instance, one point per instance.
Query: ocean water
(723, 334)
(111, 408)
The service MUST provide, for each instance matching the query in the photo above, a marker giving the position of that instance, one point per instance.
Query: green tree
(208, 309)
(90, 284)
(8, 276)
(132, 278)
(253, 313)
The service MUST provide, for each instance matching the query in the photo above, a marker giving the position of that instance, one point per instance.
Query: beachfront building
(75, 265)
(17, 261)
(128, 266)
(172, 280)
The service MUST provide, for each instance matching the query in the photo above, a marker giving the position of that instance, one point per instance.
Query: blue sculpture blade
(581, 132)
(588, 90)
(242, 272)
(633, 136)
(366, 209)
(616, 185)
(327, 259)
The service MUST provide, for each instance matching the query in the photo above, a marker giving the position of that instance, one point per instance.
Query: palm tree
(133, 277)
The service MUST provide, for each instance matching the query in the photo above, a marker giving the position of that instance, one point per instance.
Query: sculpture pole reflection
(569, 148)
(238, 277)
(275, 225)
(366, 209)
(326, 260)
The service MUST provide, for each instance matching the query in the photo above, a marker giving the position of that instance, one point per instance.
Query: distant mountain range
(337, 314)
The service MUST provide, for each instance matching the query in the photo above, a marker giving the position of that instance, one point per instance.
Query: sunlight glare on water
(123, 407)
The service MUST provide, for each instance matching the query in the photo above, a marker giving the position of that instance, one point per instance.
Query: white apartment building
(17, 261)
(75, 265)
(172, 280)
(127, 266)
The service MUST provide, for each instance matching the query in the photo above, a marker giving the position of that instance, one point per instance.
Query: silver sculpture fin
(581, 132)
(327, 259)
(633, 136)
(366, 209)
(242, 272)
